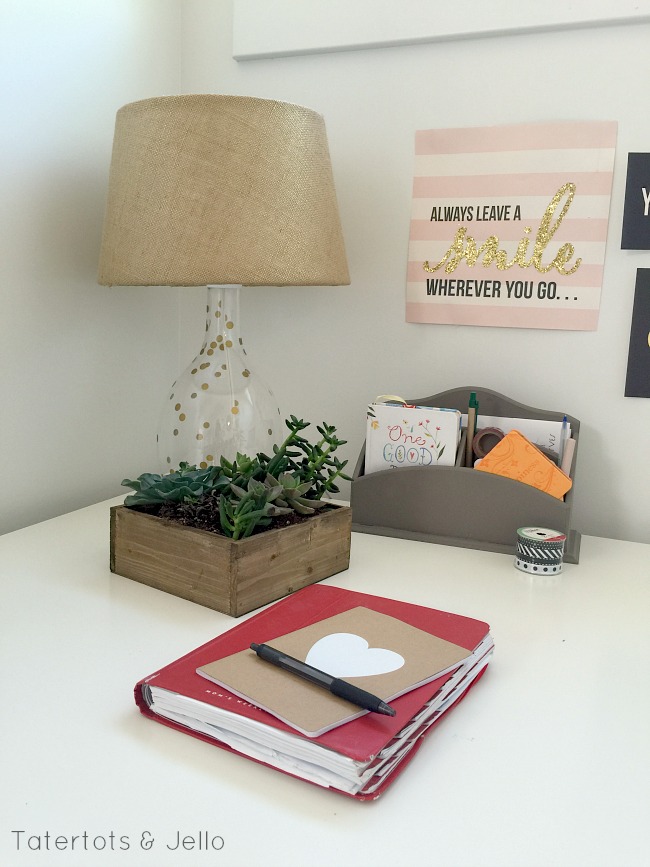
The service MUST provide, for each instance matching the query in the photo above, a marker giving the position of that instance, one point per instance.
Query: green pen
(472, 413)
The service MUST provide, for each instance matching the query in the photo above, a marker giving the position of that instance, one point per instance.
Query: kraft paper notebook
(374, 651)
(359, 758)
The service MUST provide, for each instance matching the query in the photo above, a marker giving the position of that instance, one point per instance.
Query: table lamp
(220, 191)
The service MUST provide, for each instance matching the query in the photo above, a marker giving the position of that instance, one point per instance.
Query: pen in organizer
(335, 685)
(472, 412)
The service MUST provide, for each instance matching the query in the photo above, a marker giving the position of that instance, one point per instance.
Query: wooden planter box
(232, 577)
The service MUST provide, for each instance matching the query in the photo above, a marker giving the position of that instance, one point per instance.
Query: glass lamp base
(218, 406)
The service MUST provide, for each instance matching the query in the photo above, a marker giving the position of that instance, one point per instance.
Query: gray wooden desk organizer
(458, 505)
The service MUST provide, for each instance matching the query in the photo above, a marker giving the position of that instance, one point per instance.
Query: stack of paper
(419, 659)
(543, 433)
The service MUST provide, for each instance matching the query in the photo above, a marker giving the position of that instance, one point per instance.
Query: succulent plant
(253, 490)
(292, 494)
(260, 501)
(187, 484)
(313, 462)
(248, 508)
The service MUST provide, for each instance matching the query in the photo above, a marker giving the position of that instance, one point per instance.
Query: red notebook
(360, 757)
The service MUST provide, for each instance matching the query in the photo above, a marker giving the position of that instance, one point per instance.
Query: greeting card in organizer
(410, 436)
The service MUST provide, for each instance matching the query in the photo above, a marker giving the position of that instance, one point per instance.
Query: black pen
(335, 685)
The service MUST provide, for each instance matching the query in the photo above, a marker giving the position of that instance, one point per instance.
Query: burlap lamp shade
(220, 191)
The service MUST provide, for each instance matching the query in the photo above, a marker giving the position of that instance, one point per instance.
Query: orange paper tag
(517, 458)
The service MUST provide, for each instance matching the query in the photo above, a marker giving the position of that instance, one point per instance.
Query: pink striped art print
(509, 225)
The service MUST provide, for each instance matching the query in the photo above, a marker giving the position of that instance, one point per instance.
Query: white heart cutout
(344, 654)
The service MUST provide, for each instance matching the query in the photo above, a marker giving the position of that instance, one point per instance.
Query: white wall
(83, 369)
(329, 352)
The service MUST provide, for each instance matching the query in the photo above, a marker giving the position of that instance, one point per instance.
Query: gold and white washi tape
(539, 550)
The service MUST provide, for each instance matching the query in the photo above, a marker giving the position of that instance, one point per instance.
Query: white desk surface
(545, 764)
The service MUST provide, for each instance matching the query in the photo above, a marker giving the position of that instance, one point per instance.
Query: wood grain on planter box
(232, 577)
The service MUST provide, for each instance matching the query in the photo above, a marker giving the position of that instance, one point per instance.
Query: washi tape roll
(539, 550)
(485, 439)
